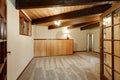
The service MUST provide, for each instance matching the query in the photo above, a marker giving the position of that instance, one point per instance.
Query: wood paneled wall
(44, 47)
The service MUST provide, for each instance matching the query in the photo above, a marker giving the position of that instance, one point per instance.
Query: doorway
(90, 42)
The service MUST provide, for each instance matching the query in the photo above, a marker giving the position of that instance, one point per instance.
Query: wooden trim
(107, 27)
(112, 36)
(96, 52)
(107, 53)
(23, 15)
(101, 51)
(90, 25)
(86, 51)
(107, 39)
(117, 72)
(104, 78)
(116, 24)
(116, 40)
(111, 25)
(114, 7)
(53, 39)
(112, 69)
(24, 18)
(54, 55)
(39, 39)
(108, 66)
(80, 51)
(116, 56)
(25, 68)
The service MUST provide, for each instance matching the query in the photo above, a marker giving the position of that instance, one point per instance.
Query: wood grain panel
(117, 18)
(117, 32)
(52, 47)
(45, 12)
(40, 50)
(108, 60)
(107, 73)
(107, 46)
(48, 47)
(107, 33)
(117, 48)
(117, 76)
(117, 64)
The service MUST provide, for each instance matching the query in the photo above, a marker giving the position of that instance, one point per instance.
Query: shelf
(2, 41)
(2, 65)
(5, 59)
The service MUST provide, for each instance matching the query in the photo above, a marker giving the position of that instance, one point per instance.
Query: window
(25, 25)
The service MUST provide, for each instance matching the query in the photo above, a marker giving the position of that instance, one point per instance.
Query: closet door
(110, 52)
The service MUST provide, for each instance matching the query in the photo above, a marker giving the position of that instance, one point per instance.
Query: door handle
(9, 52)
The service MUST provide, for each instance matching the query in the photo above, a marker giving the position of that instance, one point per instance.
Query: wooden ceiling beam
(28, 4)
(54, 27)
(79, 25)
(69, 27)
(83, 26)
(90, 25)
(76, 22)
(74, 14)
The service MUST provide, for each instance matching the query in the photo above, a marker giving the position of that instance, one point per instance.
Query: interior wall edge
(24, 68)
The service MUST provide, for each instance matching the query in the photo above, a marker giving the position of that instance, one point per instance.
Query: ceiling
(45, 12)
(45, 16)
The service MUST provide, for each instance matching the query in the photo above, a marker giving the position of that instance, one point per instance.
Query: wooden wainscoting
(54, 47)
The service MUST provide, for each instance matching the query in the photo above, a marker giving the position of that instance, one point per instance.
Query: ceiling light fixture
(57, 22)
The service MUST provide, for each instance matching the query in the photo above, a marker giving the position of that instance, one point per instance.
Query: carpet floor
(79, 66)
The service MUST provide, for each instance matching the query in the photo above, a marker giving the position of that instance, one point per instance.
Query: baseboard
(86, 51)
(24, 69)
(80, 51)
(96, 52)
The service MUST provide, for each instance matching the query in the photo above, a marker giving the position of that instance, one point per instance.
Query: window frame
(24, 30)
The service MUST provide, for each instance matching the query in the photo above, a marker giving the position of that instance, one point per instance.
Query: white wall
(21, 47)
(43, 32)
(78, 36)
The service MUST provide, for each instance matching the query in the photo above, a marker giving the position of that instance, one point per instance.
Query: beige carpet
(79, 66)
